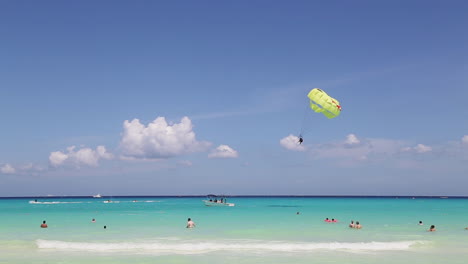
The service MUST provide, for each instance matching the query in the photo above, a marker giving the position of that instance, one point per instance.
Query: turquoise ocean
(256, 230)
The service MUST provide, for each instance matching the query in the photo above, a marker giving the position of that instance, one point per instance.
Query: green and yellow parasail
(321, 102)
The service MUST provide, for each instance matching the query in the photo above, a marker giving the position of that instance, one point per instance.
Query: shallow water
(256, 230)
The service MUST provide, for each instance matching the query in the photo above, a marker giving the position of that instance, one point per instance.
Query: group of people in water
(431, 229)
(190, 223)
(356, 225)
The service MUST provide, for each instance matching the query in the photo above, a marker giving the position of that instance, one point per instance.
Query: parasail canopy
(321, 102)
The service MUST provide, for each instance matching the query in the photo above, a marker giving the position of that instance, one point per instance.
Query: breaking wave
(200, 247)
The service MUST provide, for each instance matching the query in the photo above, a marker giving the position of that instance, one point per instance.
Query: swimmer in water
(432, 228)
(358, 225)
(351, 225)
(44, 225)
(190, 223)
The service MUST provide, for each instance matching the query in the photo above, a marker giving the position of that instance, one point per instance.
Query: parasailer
(321, 102)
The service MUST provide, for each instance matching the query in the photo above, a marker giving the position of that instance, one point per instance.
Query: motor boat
(217, 200)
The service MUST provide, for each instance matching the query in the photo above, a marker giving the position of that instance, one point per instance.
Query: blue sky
(195, 97)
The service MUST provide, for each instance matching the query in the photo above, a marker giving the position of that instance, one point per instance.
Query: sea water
(255, 230)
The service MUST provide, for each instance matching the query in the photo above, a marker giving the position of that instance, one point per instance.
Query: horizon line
(241, 196)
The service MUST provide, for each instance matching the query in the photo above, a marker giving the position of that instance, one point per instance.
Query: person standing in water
(190, 223)
(358, 225)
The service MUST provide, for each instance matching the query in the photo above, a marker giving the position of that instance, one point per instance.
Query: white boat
(215, 200)
(97, 196)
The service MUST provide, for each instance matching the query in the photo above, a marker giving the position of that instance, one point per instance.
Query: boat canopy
(216, 196)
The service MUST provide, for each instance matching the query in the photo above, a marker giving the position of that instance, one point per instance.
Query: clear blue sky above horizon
(197, 97)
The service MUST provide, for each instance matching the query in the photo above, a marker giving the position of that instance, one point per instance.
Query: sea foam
(34, 202)
(200, 247)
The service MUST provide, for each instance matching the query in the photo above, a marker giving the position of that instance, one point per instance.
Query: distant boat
(217, 200)
(97, 196)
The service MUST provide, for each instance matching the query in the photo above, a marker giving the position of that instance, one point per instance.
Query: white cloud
(7, 169)
(57, 157)
(352, 150)
(355, 149)
(223, 151)
(420, 148)
(351, 139)
(465, 139)
(83, 156)
(28, 168)
(159, 139)
(291, 142)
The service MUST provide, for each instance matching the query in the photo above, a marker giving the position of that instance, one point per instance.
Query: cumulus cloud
(83, 156)
(291, 142)
(159, 139)
(351, 139)
(223, 151)
(420, 148)
(57, 157)
(7, 169)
